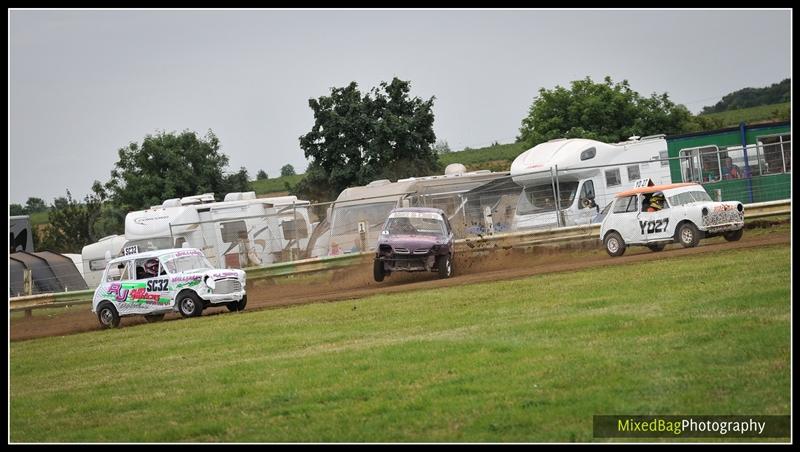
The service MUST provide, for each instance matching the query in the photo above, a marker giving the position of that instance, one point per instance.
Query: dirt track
(356, 282)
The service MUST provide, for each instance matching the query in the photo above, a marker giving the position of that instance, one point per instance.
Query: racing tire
(107, 315)
(614, 244)
(189, 305)
(688, 235)
(153, 318)
(445, 266)
(235, 306)
(656, 247)
(734, 236)
(377, 270)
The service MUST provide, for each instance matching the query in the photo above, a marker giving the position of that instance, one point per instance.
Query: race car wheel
(107, 314)
(152, 318)
(688, 235)
(235, 306)
(445, 266)
(614, 244)
(189, 305)
(656, 247)
(734, 236)
(377, 270)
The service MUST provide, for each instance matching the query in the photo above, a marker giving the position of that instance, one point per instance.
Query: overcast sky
(83, 84)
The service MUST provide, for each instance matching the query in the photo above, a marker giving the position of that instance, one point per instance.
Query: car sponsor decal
(136, 293)
(654, 226)
(428, 215)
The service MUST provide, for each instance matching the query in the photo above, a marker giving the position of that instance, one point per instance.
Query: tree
(71, 225)
(607, 111)
(261, 175)
(287, 170)
(753, 97)
(355, 139)
(34, 205)
(171, 165)
(16, 209)
(441, 147)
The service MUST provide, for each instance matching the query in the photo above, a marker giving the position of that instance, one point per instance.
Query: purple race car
(415, 239)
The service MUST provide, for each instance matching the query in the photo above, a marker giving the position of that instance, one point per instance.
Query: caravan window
(294, 228)
(634, 173)
(152, 244)
(346, 218)
(588, 154)
(541, 196)
(613, 178)
(232, 231)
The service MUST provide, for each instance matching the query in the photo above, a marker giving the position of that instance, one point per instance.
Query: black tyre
(656, 247)
(107, 315)
(688, 235)
(190, 305)
(445, 266)
(614, 244)
(377, 270)
(153, 318)
(235, 306)
(734, 236)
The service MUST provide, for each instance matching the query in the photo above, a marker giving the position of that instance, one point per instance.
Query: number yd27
(653, 226)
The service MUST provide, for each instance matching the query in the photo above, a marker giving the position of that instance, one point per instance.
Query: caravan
(241, 231)
(567, 181)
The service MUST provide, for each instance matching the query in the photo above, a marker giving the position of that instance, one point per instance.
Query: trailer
(567, 181)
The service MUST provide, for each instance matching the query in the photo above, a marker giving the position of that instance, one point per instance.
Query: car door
(624, 219)
(654, 226)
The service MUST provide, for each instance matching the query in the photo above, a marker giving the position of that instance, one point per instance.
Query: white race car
(656, 215)
(156, 282)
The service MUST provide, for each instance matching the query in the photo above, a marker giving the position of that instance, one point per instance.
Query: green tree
(607, 111)
(16, 209)
(287, 170)
(441, 147)
(384, 134)
(34, 205)
(261, 175)
(171, 165)
(753, 97)
(71, 225)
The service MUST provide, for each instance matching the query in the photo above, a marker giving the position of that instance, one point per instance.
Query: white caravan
(241, 231)
(354, 220)
(95, 256)
(590, 173)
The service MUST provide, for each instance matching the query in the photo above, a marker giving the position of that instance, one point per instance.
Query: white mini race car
(656, 215)
(156, 282)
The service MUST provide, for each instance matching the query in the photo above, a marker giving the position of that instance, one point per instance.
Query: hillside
(753, 97)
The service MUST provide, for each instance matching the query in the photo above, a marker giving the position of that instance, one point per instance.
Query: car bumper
(224, 298)
(408, 263)
(725, 227)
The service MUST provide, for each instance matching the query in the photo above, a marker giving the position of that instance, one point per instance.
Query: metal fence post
(558, 201)
(27, 281)
(747, 173)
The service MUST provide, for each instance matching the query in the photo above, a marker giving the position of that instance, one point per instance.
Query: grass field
(526, 360)
(753, 114)
(275, 185)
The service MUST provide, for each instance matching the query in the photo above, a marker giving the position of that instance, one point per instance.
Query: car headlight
(209, 282)
(435, 248)
(705, 211)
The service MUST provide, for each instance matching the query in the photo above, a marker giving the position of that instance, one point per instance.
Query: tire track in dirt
(356, 282)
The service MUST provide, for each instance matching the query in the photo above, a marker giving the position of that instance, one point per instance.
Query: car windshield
(188, 264)
(151, 244)
(414, 223)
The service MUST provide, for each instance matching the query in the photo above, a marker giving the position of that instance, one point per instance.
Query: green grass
(276, 185)
(526, 360)
(503, 152)
(753, 114)
(40, 218)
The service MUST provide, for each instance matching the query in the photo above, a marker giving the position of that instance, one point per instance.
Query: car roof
(149, 254)
(653, 189)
